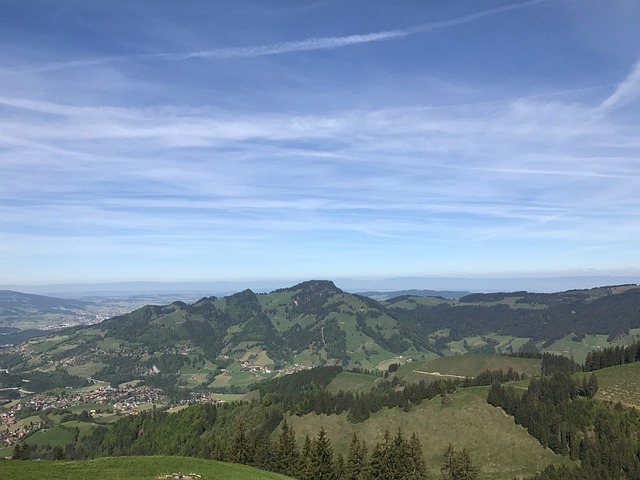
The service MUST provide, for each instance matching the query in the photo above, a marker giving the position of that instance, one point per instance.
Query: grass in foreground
(132, 468)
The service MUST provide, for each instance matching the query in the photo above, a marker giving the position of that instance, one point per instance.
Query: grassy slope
(130, 468)
(466, 365)
(578, 350)
(352, 382)
(56, 436)
(620, 384)
(500, 448)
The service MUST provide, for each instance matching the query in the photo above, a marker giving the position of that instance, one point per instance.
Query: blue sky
(225, 140)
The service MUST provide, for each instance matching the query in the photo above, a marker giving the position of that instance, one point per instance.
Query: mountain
(229, 344)
(234, 341)
(18, 304)
(26, 310)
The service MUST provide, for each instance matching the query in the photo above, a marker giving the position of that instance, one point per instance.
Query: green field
(466, 366)
(56, 436)
(352, 382)
(133, 468)
(568, 347)
(578, 350)
(468, 422)
(620, 384)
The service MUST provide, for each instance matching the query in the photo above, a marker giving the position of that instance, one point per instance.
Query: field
(352, 382)
(578, 350)
(620, 384)
(468, 422)
(133, 468)
(465, 366)
(51, 436)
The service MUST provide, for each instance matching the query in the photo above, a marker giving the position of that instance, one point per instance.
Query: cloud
(309, 44)
(626, 92)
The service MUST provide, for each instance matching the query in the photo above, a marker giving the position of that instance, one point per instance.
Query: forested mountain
(315, 323)
(609, 311)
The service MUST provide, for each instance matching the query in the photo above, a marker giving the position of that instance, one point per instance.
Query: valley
(64, 390)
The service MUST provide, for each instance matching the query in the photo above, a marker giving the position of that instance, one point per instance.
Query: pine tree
(592, 386)
(398, 457)
(339, 467)
(263, 453)
(449, 467)
(417, 468)
(304, 460)
(467, 470)
(379, 462)
(357, 462)
(457, 465)
(321, 459)
(57, 453)
(239, 451)
(20, 452)
(287, 451)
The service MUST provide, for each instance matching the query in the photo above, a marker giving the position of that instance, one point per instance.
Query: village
(103, 400)
(128, 400)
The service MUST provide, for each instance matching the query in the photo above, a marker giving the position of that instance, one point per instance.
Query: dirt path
(438, 374)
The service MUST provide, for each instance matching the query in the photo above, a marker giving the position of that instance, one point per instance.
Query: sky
(226, 140)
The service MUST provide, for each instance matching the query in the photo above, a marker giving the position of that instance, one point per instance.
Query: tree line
(560, 412)
(612, 356)
(394, 458)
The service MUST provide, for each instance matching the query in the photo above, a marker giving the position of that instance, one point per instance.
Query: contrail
(321, 43)
(626, 91)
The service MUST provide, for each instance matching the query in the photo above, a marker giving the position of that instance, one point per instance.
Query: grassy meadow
(131, 468)
(620, 384)
(501, 449)
(465, 366)
(352, 382)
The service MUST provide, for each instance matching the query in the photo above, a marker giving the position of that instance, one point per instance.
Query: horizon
(295, 140)
(350, 285)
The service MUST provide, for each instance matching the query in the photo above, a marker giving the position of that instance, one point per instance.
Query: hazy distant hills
(17, 303)
(449, 295)
(28, 311)
(357, 285)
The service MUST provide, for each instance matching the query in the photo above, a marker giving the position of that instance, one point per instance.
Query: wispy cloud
(626, 92)
(309, 44)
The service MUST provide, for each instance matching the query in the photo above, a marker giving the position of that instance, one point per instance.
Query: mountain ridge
(317, 323)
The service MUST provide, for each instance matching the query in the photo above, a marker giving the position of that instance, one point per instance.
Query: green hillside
(352, 382)
(620, 384)
(133, 468)
(466, 366)
(468, 422)
(229, 343)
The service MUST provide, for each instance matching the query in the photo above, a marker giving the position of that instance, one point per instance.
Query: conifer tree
(379, 461)
(357, 461)
(287, 451)
(304, 459)
(321, 458)
(339, 467)
(398, 456)
(457, 465)
(239, 451)
(417, 468)
(263, 451)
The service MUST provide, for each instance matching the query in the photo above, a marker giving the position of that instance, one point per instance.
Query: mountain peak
(316, 287)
